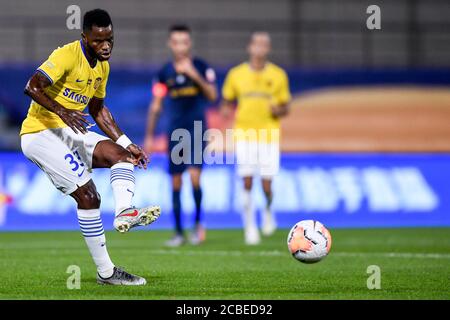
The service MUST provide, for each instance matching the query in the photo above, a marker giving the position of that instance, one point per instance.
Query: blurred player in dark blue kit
(188, 83)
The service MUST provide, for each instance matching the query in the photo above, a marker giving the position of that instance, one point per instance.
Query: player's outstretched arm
(226, 109)
(104, 119)
(281, 100)
(280, 110)
(35, 89)
(154, 111)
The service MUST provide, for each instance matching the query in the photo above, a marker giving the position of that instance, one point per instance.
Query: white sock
(249, 217)
(122, 183)
(268, 217)
(92, 229)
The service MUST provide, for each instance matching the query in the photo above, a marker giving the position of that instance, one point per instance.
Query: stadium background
(366, 145)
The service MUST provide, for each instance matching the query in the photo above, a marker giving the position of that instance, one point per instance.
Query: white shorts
(66, 157)
(257, 158)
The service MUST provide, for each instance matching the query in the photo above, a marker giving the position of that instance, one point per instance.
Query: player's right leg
(246, 157)
(269, 165)
(177, 165)
(49, 150)
(107, 154)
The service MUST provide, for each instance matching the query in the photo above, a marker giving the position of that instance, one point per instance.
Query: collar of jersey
(84, 53)
(258, 71)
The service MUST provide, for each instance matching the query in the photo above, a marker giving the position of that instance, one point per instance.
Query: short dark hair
(179, 28)
(96, 17)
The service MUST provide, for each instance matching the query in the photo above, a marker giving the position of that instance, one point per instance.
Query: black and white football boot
(122, 278)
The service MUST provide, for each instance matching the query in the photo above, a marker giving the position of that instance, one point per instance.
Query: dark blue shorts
(186, 153)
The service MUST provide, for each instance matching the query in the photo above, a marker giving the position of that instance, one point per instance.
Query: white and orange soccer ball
(309, 241)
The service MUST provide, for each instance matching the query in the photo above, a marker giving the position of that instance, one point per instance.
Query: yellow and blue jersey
(184, 99)
(256, 92)
(73, 83)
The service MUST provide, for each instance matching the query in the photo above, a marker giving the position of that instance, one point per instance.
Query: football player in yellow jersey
(261, 90)
(56, 138)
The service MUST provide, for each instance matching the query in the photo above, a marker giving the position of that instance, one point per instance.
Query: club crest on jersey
(180, 79)
(210, 75)
(97, 82)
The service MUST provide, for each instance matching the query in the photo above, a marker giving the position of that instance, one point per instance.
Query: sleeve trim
(45, 74)
(99, 96)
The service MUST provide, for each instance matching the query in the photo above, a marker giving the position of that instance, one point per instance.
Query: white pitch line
(401, 255)
(406, 255)
(239, 253)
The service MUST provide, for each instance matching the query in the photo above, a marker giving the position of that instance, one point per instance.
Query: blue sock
(198, 202)
(176, 205)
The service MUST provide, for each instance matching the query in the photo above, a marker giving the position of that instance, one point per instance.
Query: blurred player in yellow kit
(261, 90)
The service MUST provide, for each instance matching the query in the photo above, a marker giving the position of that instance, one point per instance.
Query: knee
(267, 191)
(195, 177)
(248, 183)
(121, 155)
(196, 184)
(176, 183)
(88, 198)
(195, 181)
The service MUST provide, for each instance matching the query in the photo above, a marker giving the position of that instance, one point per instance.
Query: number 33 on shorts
(76, 164)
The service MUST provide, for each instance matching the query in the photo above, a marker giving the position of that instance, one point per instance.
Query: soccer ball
(309, 241)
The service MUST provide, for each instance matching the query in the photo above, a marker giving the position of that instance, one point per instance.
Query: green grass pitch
(414, 264)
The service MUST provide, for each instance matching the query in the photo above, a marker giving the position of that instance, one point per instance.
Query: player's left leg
(178, 238)
(198, 233)
(269, 157)
(108, 154)
(247, 166)
(268, 220)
